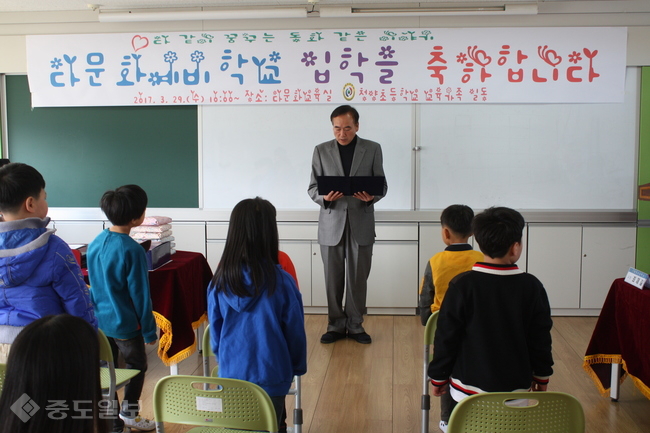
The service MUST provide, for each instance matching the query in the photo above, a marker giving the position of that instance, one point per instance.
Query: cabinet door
(430, 244)
(393, 281)
(300, 254)
(318, 295)
(607, 254)
(189, 236)
(554, 257)
(214, 251)
(78, 232)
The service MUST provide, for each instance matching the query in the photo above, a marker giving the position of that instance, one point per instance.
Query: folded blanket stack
(157, 229)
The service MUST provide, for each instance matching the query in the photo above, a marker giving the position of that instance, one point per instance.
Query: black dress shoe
(362, 338)
(331, 337)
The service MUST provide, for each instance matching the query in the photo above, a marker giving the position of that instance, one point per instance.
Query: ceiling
(80, 5)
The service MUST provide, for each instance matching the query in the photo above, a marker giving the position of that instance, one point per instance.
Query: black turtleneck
(347, 153)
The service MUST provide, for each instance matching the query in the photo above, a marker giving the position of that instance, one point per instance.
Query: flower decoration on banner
(309, 59)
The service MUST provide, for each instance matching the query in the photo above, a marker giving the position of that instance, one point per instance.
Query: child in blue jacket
(255, 309)
(39, 276)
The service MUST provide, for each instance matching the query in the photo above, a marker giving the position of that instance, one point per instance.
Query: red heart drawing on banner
(481, 58)
(139, 42)
(553, 58)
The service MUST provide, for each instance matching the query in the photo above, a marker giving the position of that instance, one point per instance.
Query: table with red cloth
(179, 296)
(621, 336)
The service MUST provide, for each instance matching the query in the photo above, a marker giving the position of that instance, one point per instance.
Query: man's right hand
(333, 195)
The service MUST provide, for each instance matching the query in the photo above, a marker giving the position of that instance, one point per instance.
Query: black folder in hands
(373, 185)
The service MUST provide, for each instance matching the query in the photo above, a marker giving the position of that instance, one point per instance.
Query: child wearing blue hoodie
(255, 309)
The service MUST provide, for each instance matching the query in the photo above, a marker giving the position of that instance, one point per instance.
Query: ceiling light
(224, 14)
(509, 9)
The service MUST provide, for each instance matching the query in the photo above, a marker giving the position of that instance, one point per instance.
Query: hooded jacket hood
(247, 303)
(39, 275)
(23, 245)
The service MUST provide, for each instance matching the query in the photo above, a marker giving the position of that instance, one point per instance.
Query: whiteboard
(266, 151)
(525, 156)
(536, 156)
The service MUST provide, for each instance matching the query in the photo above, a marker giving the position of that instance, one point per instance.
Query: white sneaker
(443, 426)
(139, 423)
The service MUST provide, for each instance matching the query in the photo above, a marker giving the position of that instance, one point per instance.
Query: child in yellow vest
(456, 221)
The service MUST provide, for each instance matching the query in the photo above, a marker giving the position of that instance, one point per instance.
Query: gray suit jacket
(367, 161)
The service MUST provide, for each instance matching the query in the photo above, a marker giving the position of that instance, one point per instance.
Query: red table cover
(179, 296)
(621, 336)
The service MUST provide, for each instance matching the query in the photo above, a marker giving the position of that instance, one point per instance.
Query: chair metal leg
(297, 412)
(199, 337)
(206, 365)
(615, 389)
(426, 398)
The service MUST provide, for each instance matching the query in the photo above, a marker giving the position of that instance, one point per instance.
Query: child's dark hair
(496, 229)
(345, 109)
(252, 244)
(18, 182)
(124, 204)
(458, 219)
(55, 358)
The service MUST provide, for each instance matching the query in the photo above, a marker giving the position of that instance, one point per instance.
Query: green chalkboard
(84, 151)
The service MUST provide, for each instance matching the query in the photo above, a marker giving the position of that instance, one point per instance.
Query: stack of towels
(157, 229)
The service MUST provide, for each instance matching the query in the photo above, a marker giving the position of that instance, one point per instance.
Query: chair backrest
(105, 351)
(430, 329)
(207, 347)
(3, 369)
(521, 412)
(112, 378)
(207, 353)
(106, 355)
(429, 334)
(228, 403)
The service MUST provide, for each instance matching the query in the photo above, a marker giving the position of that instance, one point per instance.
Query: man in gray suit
(346, 224)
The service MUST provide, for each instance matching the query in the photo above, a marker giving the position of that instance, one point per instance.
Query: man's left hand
(363, 196)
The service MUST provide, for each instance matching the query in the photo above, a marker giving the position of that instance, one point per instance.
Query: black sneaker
(118, 425)
(331, 337)
(362, 338)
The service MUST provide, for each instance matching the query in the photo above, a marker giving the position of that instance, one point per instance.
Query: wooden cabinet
(189, 236)
(607, 254)
(300, 254)
(216, 234)
(554, 258)
(578, 263)
(393, 281)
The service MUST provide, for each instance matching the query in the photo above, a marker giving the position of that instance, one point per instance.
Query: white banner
(482, 65)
